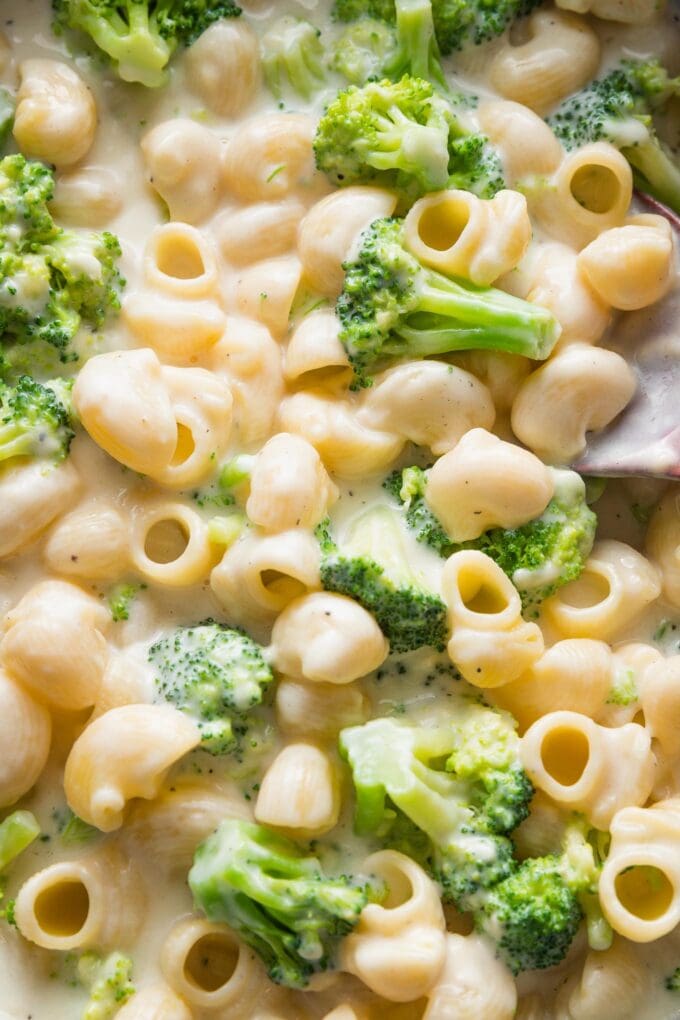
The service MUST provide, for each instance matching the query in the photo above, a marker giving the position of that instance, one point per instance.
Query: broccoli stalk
(293, 54)
(34, 422)
(140, 36)
(276, 899)
(370, 564)
(17, 832)
(619, 109)
(392, 306)
(417, 51)
(459, 784)
(215, 675)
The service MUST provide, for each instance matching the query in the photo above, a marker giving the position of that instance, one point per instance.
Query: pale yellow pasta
(170, 544)
(223, 67)
(484, 482)
(580, 390)
(462, 235)
(560, 56)
(90, 542)
(526, 142)
(574, 674)
(586, 767)
(330, 229)
(259, 575)
(639, 885)
(210, 969)
(124, 754)
(429, 403)
(167, 829)
(122, 401)
(326, 638)
(591, 192)
(31, 498)
(96, 901)
(299, 792)
(490, 643)
(346, 1012)
(87, 197)
(54, 644)
(347, 447)
(630, 662)
(319, 710)
(399, 945)
(531, 1007)
(289, 486)
(473, 985)
(179, 260)
(179, 330)
(266, 290)
(56, 115)
(8, 71)
(556, 282)
(127, 680)
(617, 583)
(183, 165)
(314, 352)
(25, 733)
(251, 362)
(615, 976)
(155, 1002)
(256, 232)
(269, 156)
(631, 12)
(501, 373)
(631, 266)
(660, 701)
(663, 545)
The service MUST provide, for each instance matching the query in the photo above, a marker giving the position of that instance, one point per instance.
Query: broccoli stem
(417, 52)
(456, 316)
(655, 172)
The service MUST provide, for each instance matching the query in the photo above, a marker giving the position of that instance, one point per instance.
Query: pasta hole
(180, 258)
(478, 596)
(282, 584)
(589, 590)
(596, 188)
(399, 888)
(644, 891)
(441, 225)
(184, 446)
(61, 910)
(565, 753)
(211, 962)
(166, 541)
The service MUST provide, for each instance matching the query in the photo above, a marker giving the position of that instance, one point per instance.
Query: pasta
(56, 115)
(223, 67)
(299, 792)
(473, 984)
(183, 164)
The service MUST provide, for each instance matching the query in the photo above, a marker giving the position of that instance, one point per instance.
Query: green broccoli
(140, 36)
(109, 981)
(7, 108)
(120, 600)
(672, 982)
(35, 421)
(417, 52)
(353, 10)
(583, 851)
(293, 55)
(538, 557)
(276, 899)
(231, 484)
(370, 564)
(17, 832)
(532, 915)
(363, 49)
(392, 306)
(619, 109)
(460, 783)
(214, 674)
(51, 280)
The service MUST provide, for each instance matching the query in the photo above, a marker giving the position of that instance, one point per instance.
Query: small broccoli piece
(460, 23)
(17, 832)
(75, 832)
(532, 915)
(672, 982)
(293, 56)
(583, 853)
(231, 485)
(34, 422)
(363, 49)
(7, 108)
(392, 306)
(370, 564)
(619, 109)
(459, 784)
(214, 674)
(140, 36)
(353, 10)
(538, 557)
(276, 899)
(474, 165)
(109, 982)
(120, 600)
(624, 690)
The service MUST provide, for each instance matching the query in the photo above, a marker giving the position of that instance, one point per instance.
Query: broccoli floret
(7, 108)
(293, 56)
(140, 36)
(619, 109)
(583, 853)
(352, 10)
(109, 981)
(624, 690)
(538, 557)
(474, 164)
(417, 52)
(34, 421)
(51, 280)
(231, 484)
(363, 49)
(370, 564)
(460, 23)
(276, 899)
(17, 832)
(672, 982)
(460, 784)
(532, 915)
(120, 600)
(214, 674)
(392, 306)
